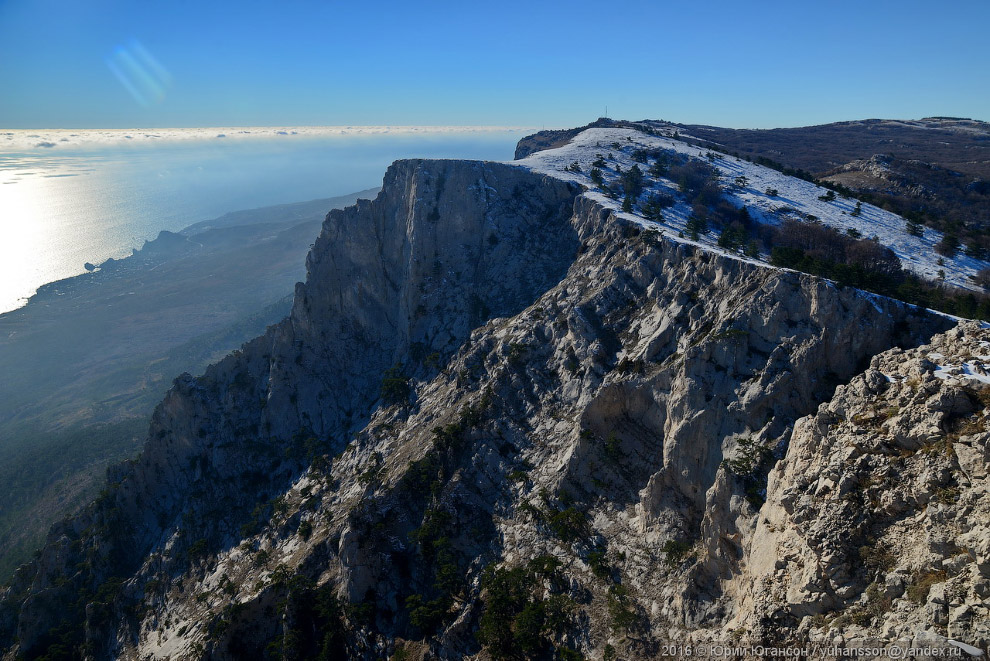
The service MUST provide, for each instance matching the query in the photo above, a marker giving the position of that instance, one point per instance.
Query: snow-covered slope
(794, 198)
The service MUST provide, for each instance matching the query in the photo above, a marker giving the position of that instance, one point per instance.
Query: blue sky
(114, 64)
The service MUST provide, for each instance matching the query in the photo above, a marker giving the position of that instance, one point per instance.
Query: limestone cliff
(877, 523)
(501, 421)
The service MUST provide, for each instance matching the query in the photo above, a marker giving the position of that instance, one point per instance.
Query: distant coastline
(85, 196)
(88, 357)
(163, 247)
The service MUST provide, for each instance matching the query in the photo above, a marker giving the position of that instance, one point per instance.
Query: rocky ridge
(489, 380)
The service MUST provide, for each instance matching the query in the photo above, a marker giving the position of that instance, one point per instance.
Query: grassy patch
(922, 584)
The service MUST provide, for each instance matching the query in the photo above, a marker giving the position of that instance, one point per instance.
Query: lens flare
(140, 73)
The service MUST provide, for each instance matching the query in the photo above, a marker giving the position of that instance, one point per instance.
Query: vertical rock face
(449, 245)
(572, 405)
(446, 245)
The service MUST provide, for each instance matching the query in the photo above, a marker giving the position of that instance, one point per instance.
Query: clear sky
(117, 64)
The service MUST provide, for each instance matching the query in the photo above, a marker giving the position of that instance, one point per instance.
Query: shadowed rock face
(567, 386)
(450, 245)
(447, 245)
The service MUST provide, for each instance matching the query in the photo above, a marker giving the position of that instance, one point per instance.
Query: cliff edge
(502, 420)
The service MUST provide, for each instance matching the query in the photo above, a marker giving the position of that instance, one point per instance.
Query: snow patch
(794, 197)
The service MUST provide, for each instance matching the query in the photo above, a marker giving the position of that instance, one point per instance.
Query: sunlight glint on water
(62, 207)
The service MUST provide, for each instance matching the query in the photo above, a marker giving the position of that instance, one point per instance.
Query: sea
(72, 197)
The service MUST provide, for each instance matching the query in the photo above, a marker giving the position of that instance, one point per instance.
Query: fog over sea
(68, 197)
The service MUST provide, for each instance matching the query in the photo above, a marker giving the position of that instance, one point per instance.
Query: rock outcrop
(502, 421)
(877, 522)
(883, 173)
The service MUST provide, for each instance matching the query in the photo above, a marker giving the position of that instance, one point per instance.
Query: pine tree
(733, 236)
(726, 239)
(632, 181)
(695, 227)
(653, 209)
(596, 176)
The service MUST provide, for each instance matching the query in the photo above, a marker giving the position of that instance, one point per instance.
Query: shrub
(982, 278)
(613, 448)
(198, 549)
(751, 465)
(517, 621)
(620, 611)
(395, 386)
(597, 562)
(426, 615)
(675, 551)
(660, 167)
(978, 246)
(655, 204)
(520, 476)
(691, 177)
(876, 559)
(517, 353)
(948, 246)
(568, 525)
(922, 584)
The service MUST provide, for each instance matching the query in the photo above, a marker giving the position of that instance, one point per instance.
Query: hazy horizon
(42, 138)
(462, 127)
